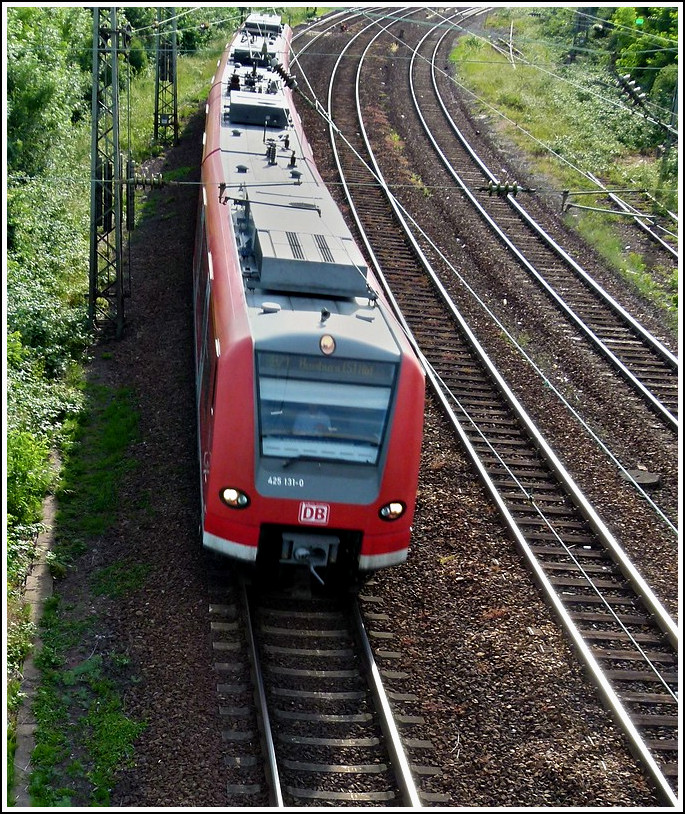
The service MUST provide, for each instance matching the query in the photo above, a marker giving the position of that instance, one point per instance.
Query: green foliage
(54, 330)
(580, 115)
(21, 548)
(612, 37)
(195, 28)
(46, 86)
(662, 91)
(28, 476)
(643, 50)
(49, 220)
(15, 352)
(556, 22)
(48, 73)
(589, 119)
(38, 405)
(20, 632)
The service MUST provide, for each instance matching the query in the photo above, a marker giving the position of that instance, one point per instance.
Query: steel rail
(664, 621)
(663, 353)
(398, 758)
(388, 761)
(272, 774)
(573, 317)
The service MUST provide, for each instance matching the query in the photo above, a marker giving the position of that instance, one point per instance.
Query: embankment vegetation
(65, 436)
(49, 407)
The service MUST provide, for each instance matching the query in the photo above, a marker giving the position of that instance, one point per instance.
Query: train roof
(259, 40)
(263, 23)
(303, 274)
(293, 228)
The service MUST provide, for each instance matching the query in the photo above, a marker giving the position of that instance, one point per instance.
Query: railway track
(638, 354)
(639, 357)
(634, 352)
(620, 630)
(307, 719)
(489, 290)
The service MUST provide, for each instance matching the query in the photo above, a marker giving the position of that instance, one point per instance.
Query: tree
(47, 88)
(645, 41)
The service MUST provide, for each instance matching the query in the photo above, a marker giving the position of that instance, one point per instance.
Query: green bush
(28, 477)
(47, 89)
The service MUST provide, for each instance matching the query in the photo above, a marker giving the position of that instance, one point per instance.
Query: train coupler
(312, 550)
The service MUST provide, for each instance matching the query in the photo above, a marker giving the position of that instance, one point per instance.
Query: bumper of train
(377, 550)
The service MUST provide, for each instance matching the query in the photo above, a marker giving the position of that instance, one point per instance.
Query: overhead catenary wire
(315, 103)
(158, 180)
(548, 383)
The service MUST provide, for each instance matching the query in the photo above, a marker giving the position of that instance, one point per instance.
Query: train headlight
(327, 344)
(392, 511)
(234, 498)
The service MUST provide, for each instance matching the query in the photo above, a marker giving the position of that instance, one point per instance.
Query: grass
(566, 120)
(83, 735)
(119, 579)
(417, 182)
(92, 470)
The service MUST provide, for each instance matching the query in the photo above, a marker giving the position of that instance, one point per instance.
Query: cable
(324, 114)
(522, 60)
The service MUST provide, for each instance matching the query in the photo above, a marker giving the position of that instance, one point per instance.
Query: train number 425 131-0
(279, 480)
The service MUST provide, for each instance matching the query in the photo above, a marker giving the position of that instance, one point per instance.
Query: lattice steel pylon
(108, 286)
(166, 95)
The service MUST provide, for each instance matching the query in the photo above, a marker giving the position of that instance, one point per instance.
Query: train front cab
(332, 437)
(334, 468)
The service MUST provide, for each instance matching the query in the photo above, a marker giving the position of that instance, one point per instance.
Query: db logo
(314, 513)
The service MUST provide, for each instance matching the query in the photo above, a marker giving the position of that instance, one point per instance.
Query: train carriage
(310, 399)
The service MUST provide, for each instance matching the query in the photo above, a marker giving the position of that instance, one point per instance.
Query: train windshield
(323, 408)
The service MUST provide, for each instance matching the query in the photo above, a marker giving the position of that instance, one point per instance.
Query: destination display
(326, 368)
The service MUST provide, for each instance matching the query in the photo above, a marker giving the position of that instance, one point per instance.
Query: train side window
(208, 382)
(201, 283)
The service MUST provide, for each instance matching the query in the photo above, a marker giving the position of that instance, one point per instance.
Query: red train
(310, 400)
